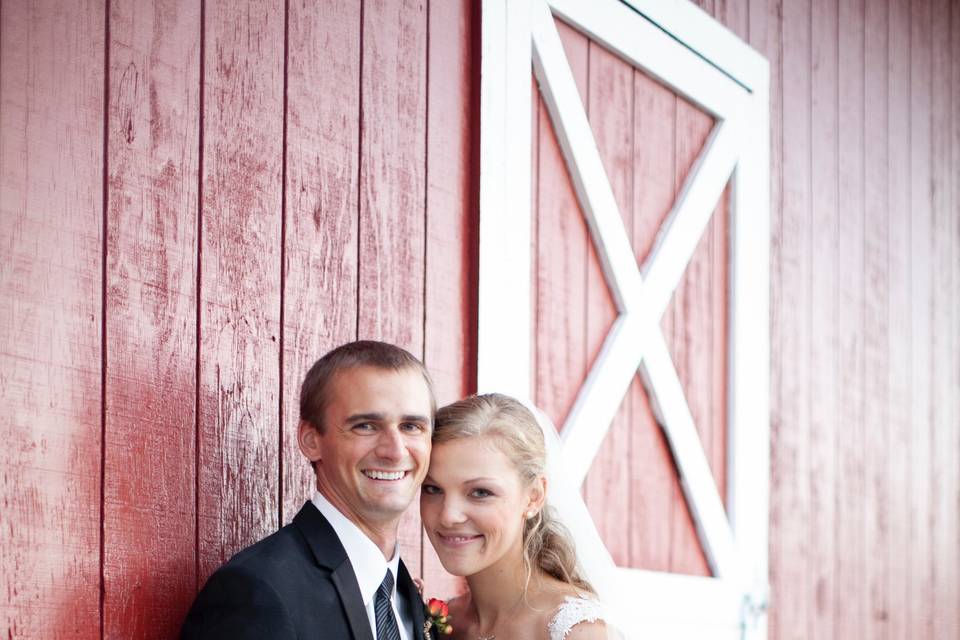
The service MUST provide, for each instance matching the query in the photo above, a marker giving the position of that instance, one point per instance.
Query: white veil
(565, 498)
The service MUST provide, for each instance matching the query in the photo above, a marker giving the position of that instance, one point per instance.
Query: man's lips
(385, 476)
(457, 539)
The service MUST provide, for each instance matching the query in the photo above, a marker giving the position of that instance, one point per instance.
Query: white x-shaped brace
(635, 341)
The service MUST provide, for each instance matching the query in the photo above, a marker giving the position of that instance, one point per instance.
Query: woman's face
(473, 504)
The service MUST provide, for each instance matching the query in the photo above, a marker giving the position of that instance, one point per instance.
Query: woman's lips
(457, 540)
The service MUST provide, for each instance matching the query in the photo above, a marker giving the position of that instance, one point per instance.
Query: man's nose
(390, 444)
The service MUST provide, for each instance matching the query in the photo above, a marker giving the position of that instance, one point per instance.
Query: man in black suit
(366, 417)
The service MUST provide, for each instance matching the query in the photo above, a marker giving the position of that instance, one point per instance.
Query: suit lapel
(345, 580)
(405, 583)
(330, 554)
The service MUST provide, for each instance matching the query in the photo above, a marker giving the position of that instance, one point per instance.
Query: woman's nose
(451, 513)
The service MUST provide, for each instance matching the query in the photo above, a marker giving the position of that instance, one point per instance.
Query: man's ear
(309, 440)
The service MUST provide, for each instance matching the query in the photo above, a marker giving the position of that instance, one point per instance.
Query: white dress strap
(572, 612)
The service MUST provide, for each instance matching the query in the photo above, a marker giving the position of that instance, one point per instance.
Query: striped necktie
(386, 622)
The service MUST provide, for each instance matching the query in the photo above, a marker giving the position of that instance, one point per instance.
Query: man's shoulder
(283, 554)
(268, 552)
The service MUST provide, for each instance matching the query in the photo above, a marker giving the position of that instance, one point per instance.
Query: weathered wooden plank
(945, 264)
(653, 477)
(607, 488)
(849, 429)
(561, 255)
(321, 198)
(876, 328)
(820, 366)
(240, 245)
(149, 518)
(51, 223)
(734, 15)
(920, 245)
(717, 262)
(449, 349)
(686, 326)
(900, 419)
(392, 187)
(790, 507)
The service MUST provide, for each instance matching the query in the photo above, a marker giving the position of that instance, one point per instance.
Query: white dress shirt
(368, 564)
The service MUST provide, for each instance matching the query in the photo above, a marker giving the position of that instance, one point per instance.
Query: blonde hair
(546, 542)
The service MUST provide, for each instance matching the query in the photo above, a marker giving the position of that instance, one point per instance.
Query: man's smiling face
(375, 445)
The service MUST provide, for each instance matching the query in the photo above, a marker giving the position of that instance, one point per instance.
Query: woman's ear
(538, 495)
(309, 440)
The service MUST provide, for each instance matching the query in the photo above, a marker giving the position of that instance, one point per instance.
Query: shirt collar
(368, 562)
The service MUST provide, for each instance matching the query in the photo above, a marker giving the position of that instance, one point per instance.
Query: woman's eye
(480, 493)
(430, 490)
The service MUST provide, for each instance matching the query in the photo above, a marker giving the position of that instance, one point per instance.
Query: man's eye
(480, 493)
(411, 427)
(431, 490)
(363, 427)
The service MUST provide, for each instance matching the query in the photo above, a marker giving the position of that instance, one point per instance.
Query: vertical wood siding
(199, 198)
(51, 360)
(149, 517)
(865, 392)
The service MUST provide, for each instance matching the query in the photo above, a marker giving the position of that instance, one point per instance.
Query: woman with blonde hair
(483, 505)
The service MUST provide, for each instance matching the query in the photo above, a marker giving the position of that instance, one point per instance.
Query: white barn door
(698, 59)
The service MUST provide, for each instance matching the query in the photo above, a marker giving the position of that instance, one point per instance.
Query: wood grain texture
(322, 194)
(687, 327)
(607, 489)
(392, 188)
(51, 223)
(851, 443)
(920, 248)
(876, 330)
(149, 522)
(790, 508)
(822, 361)
(899, 553)
(561, 257)
(653, 478)
(240, 267)
(449, 349)
(945, 383)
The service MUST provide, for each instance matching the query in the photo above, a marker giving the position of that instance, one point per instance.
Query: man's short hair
(362, 353)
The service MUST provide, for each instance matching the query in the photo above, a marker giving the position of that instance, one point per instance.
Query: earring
(529, 514)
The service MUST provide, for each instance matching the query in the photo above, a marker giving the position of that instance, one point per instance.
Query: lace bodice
(572, 612)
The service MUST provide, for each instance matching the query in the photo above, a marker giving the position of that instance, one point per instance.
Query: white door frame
(698, 58)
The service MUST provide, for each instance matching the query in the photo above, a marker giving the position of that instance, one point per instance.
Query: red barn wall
(199, 198)
(865, 344)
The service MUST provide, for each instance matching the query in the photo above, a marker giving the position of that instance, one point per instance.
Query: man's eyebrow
(371, 417)
(380, 417)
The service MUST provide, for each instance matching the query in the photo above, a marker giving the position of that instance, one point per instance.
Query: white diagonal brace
(685, 224)
(666, 391)
(583, 161)
(600, 397)
(645, 45)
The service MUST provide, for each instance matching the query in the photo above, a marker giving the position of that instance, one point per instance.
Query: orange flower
(438, 608)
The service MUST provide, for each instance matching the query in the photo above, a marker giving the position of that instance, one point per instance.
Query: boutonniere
(437, 614)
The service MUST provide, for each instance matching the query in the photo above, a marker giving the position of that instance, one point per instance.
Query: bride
(483, 507)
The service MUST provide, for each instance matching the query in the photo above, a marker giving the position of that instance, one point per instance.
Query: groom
(366, 417)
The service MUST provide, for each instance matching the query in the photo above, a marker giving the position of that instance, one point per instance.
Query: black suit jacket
(297, 583)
